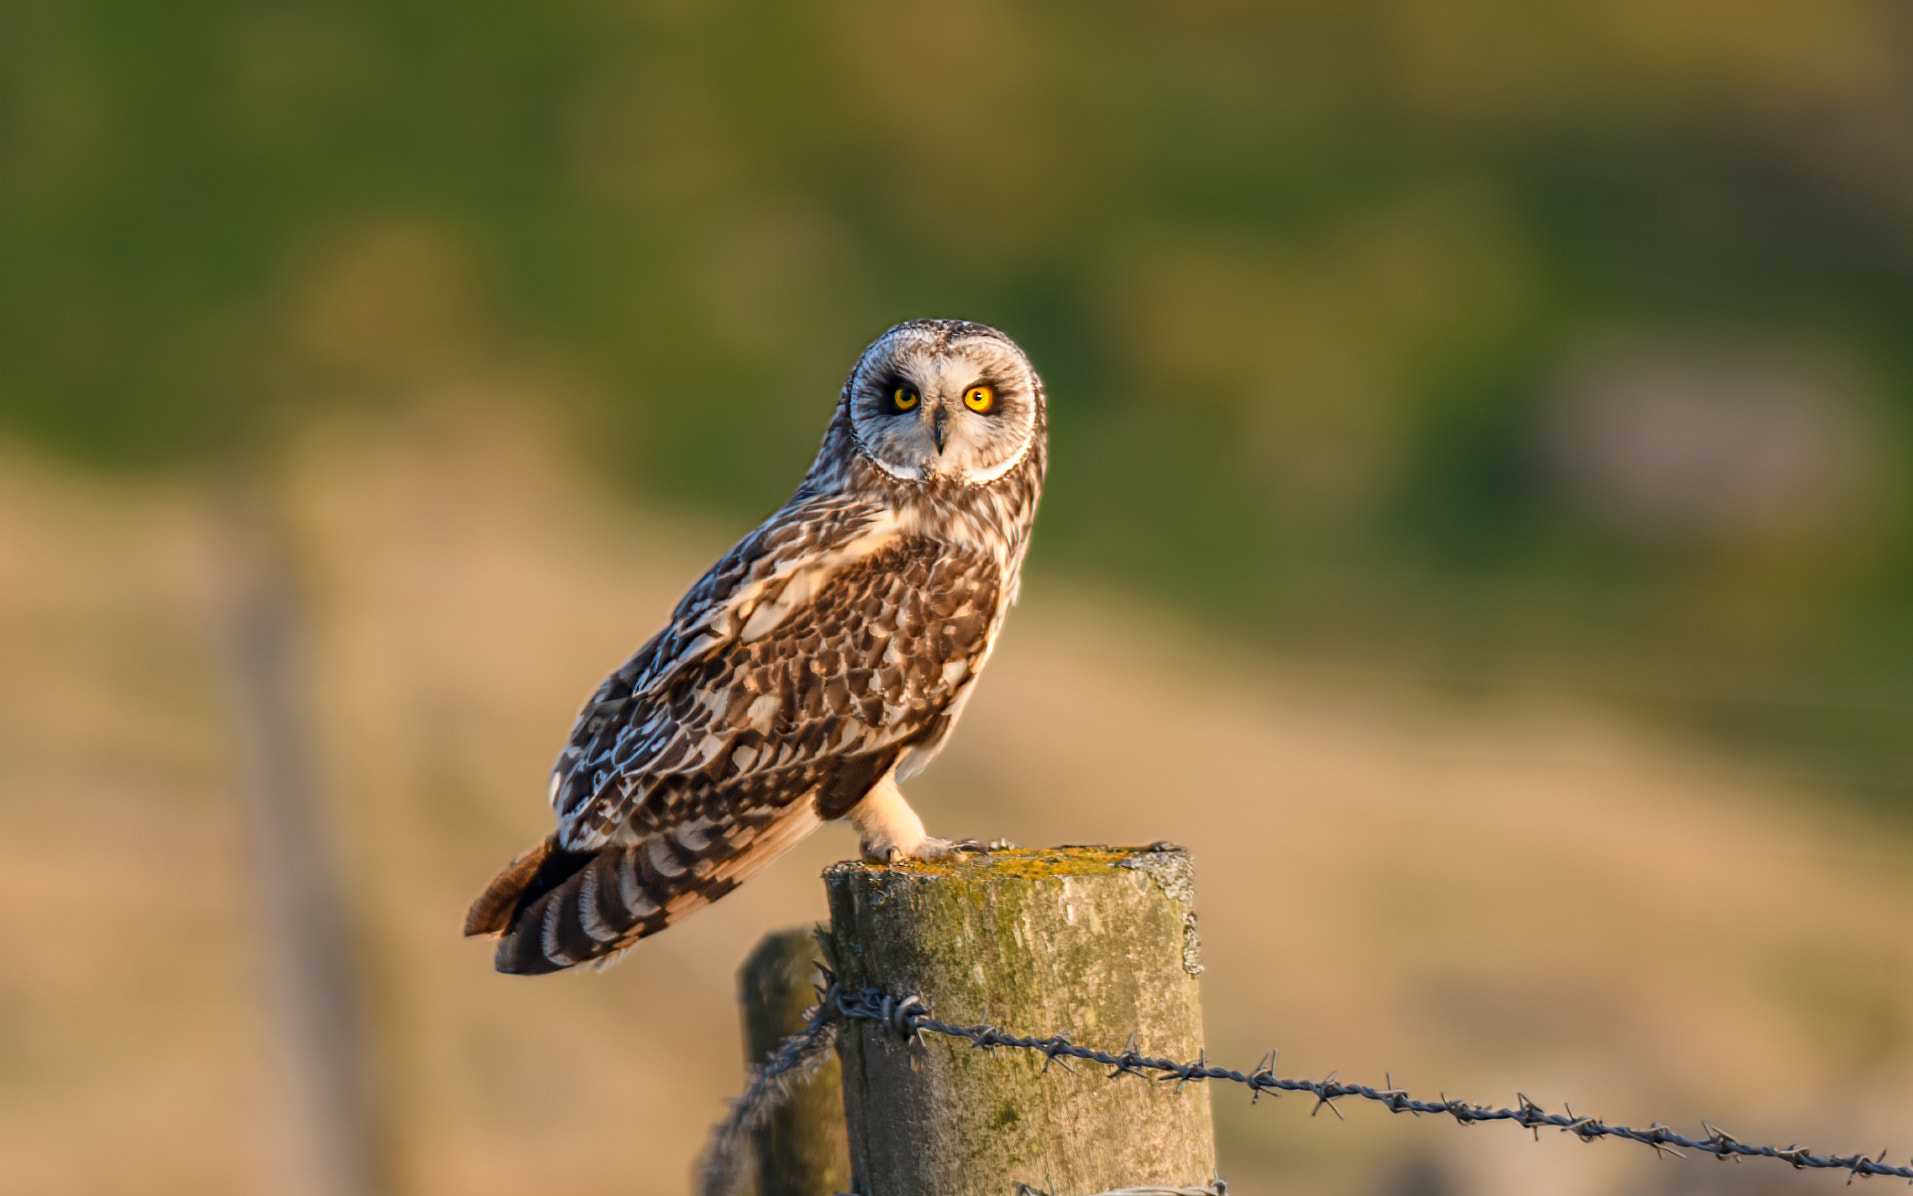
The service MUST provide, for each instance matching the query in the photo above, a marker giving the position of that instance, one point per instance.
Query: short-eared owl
(826, 655)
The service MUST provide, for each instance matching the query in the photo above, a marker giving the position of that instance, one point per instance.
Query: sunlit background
(1479, 527)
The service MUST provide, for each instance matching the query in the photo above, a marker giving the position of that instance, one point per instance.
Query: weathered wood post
(1095, 943)
(799, 1150)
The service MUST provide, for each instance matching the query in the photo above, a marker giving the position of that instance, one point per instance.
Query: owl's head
(944, 400)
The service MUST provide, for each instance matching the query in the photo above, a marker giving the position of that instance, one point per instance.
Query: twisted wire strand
(770, 1084)
(909, 1018)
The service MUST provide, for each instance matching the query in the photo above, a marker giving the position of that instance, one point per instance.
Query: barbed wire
(909, 1018)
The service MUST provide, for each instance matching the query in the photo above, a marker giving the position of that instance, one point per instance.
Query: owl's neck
(994, 519)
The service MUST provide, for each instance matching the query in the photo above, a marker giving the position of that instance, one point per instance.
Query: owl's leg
(890, 829)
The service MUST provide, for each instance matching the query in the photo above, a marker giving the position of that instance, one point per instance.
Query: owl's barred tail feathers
(555, 909)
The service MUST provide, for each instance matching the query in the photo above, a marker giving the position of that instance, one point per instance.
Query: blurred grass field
(1479, 334)
(1475, 894)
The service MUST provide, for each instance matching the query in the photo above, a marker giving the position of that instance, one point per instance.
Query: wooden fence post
(1095, 943)
(799, 1150)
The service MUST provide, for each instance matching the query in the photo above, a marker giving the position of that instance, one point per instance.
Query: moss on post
(1095, 943)
(800, 1148)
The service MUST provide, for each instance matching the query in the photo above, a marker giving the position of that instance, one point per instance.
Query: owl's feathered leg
(890, 830)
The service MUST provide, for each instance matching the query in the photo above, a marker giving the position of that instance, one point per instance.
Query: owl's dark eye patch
(900, 396)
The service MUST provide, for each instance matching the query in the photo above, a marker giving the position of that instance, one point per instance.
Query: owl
(823, 659)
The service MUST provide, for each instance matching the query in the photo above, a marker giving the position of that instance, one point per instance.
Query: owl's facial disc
(961, 408)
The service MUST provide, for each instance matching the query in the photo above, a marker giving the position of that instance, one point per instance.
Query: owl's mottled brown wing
(699, 769)
(785, 557)
(860, 664)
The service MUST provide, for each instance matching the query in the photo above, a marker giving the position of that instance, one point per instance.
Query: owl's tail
(556, 909)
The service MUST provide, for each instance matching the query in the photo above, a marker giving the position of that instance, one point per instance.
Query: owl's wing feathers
(804, 665)
(638, 728)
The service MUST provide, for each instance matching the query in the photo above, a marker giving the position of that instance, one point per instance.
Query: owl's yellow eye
(980, 399)
(903, 398)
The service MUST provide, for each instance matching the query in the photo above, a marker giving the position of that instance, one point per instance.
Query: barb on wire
(770, 1083)
(910, 1019)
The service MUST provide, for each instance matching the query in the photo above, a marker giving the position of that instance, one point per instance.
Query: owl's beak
(937, 423)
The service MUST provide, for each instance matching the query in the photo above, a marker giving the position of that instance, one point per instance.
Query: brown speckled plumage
(833, 647)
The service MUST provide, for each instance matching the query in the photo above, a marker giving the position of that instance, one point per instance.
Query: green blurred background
(1488, 422)
(1559, 341)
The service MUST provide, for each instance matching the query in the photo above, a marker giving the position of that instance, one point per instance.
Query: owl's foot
(932, 848)
(890, 830)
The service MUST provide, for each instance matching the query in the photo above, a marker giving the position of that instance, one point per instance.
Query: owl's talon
(938, 849)
(926, 848)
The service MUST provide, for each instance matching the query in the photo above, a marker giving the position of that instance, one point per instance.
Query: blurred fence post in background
(1098, 943)
(800, 1148)
(332, 1151)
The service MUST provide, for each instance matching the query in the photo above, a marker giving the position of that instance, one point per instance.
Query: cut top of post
(1009, 873)
(1165, 862)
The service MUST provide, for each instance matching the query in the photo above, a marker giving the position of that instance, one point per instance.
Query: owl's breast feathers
(829, 645)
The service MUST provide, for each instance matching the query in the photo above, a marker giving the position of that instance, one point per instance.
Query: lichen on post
(1097, 943)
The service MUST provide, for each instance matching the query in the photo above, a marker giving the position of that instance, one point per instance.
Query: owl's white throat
(970, 475)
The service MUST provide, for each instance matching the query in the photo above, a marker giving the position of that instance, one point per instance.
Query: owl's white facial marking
(944, 401)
